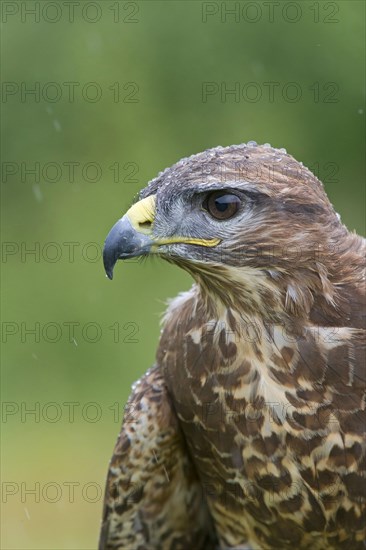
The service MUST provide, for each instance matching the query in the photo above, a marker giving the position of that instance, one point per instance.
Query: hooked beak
(131, 235)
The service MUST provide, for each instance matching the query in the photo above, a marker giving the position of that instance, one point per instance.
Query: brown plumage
(250, 428)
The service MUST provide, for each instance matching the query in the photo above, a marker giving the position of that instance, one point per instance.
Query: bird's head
(248, 222)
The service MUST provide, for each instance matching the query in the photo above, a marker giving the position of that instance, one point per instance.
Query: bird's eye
(221, 205)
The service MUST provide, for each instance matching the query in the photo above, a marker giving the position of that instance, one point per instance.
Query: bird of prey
(249, 431)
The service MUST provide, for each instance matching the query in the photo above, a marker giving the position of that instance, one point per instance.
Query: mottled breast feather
(275, 425)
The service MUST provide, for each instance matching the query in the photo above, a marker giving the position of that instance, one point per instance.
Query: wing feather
(153, 498)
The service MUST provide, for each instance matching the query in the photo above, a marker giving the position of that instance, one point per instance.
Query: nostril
(144, 225)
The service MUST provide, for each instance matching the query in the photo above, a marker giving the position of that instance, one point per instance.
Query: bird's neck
(314, 292)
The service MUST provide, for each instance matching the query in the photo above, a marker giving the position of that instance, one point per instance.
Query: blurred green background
(136, 70)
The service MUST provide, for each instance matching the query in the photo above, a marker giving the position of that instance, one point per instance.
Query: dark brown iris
(221, 205)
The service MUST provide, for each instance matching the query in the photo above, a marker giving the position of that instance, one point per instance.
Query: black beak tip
(111, 250)
(109, 262)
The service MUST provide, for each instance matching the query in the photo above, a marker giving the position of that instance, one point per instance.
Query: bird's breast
(260, 428)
